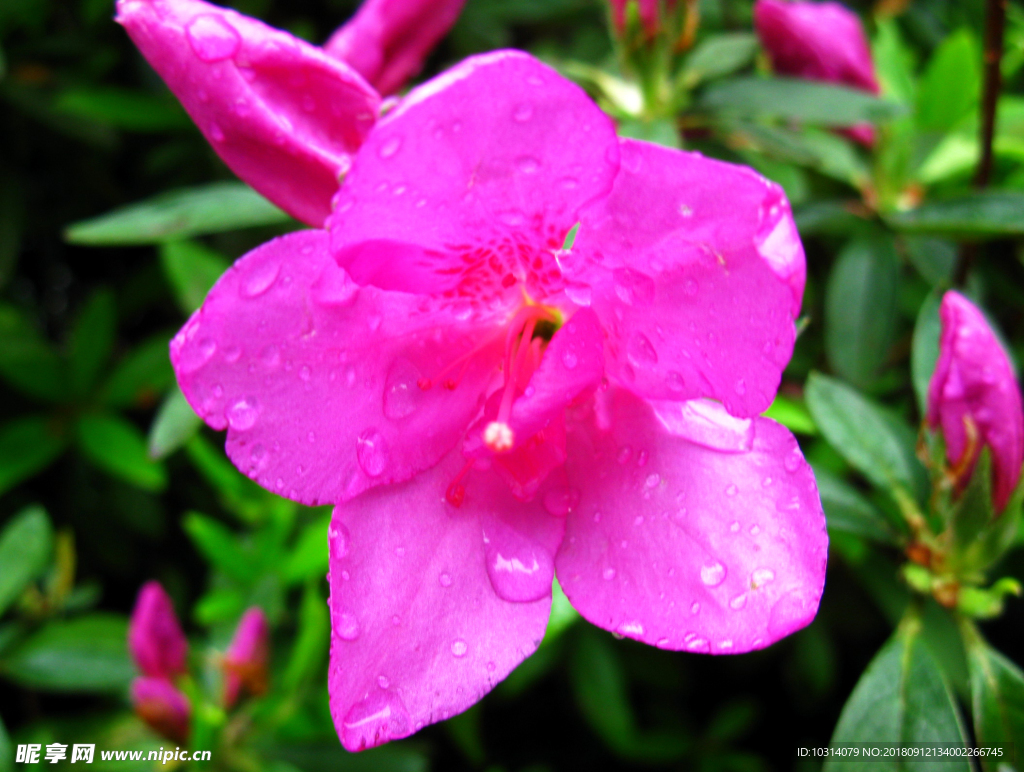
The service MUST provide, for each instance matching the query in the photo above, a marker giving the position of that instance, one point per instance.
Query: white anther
(499, 437)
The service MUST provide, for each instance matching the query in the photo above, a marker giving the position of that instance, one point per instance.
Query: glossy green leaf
(192, 269)
(27, 446)
(797, 100)
(894, 61)
(980, 215)
(902, 697)
(719, 55)
(846, 509)
(175, 423)
(221, 546)
(861, 308)
(924, 353)
(562, 616)
(311, 643)
(872, 441)
(308, 558)
(600, 688)
(791, 414)
(997, 699)
(951, 83)
(140, 378)
(25, 545)
(79, 655)
(178, 214)
(92, 340)
(660, 132)
(934, 258)
(117, 447)
(122, 108)
(27, 361)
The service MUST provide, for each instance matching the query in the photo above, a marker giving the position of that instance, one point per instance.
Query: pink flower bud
(245, 663)
(649, 11)
(163, 707)
(974, 397)
(155, 639)
(818, 41)
(284, 115)
(387, 41)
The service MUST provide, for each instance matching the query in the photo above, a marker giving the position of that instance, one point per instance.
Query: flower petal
(685, 546)
(421, 630)
(285, 116)
(696, 270)
(472, 183)
(387, 41)
(327, 388)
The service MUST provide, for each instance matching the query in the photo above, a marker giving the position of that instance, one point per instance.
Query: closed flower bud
(975, 400)
(649, 12)
(245, 663)
(155, 639)
(163, 707)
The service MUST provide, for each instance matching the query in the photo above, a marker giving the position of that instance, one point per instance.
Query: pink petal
(696, 270)
(421, 629)
(387, 41)
(471, 184)
(327, 388)
(155, 639)
(245, 661)
(816, 41)
(157, 702)
(685, 546)
(974, 380)
(285, 116)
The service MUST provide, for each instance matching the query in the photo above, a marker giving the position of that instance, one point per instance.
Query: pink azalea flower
(245, 662)
(818, 41)
(284, 115)
(488, 410)
(163, 707)
(155, 639)
(974, 397)
(387, 41)
(649, 12)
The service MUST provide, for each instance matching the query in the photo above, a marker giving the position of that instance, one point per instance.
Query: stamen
(499, 437)
(456, 492)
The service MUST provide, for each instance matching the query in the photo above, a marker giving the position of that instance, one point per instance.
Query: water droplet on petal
(695, 608)
(243, 414)
(632, 287)
(372, 452)
(212, 38)
(216, 132)
(734, 526)
(731, 490)
(625, 453)
(519, 569)
(347, 626)
(698, 644)
(523, 113)
(570, 360)
(383, 682)
(560, 501)
(675, 382)
(630, 628)
(305, 373)
(712, 574)
(608, 574)
(402, 394)
(459, 648)
(379, 718)
(390, 147)
(527, 164)
(792, 460)
(641, 352)
(738, 602)
(445, 580)
(652, 480)
(259, 278)
(761, 577)
(755, 529)
(337, 541)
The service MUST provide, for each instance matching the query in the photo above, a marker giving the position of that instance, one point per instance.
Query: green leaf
(92, 340)
(27, 446)
(950, 86)
(870, 439)
(311, 642)
(894, 61)
(308, 557)
(861, 308)
(25, 546)
(563, 615)
(660, 132)
(141, 377)
(27, 361)
(600, 688)
(192, 269)
(980, 215)
(793, 99)
(791, 414)
(116, 446)
(719, 55)
(902, 697)
(86, 654)
(123, 108)
(220, 546)
(997, 697)
(934, 258)
(178, 214)
(174, 425)
(924, 353)
(847, 510)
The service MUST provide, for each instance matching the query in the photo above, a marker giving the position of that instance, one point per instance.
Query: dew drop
(632, 287)
(305, 373)
(579, 294)
(383, 682)
(675, 382)
(698, 644)
(730, 491)
(379, 718)
(337, 541)
(399, 552)
(712, 574)
(652, 480)
(741, 387)
(212, 38)
(608, 574)
(570, 360)
(216, 132)
(625, 453)
(390, 147)
(641, 352)
(792, 460)
(527, 164)
(755, 529)
(560, 501)
(243, 414)
(402, 394)
(347, 626)
(738, 602)
(445, 580)
(259, 279)
(695, 608)
(372, 452)
(761, 577)
(523, 113)
(459, 648)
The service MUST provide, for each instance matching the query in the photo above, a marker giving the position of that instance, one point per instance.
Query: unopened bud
(245, 663)
(163, 707)
(155, 639)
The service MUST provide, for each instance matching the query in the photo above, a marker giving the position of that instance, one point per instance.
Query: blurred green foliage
(116, 218)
